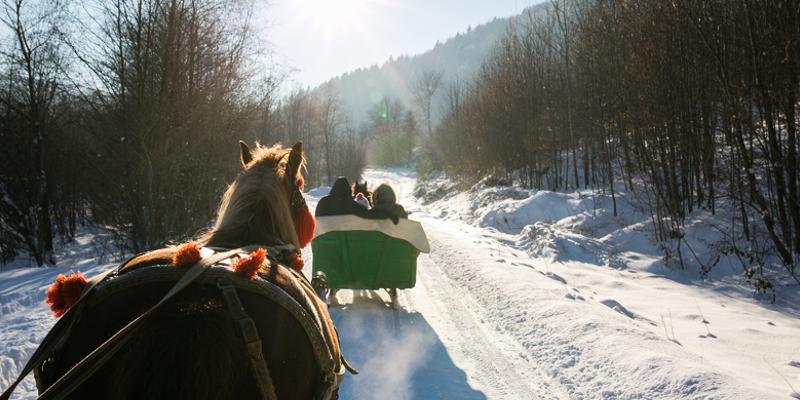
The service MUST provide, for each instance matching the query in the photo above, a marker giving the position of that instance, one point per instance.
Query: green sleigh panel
(358, 253)
(365, 260)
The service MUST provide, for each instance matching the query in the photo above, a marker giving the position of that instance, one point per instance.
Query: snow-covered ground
(525, 295)
(547, 295)
(24, 318)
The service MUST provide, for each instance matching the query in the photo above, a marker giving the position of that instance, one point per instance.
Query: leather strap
(247, 328)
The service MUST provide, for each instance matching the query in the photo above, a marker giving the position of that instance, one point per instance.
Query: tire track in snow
(496, 362)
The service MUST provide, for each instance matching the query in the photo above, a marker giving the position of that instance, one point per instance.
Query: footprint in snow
(710, 335)
(554, 277)
(574, 297)
(500, 260)
(616, 306)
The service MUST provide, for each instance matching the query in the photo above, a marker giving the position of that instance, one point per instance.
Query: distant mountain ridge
(459, 58)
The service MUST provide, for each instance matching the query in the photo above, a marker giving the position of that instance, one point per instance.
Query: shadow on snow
(398, 354)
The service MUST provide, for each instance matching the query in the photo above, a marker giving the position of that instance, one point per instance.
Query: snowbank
(581, 226)
(604, 308)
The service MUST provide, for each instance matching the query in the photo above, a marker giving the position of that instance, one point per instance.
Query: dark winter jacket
(340, 202)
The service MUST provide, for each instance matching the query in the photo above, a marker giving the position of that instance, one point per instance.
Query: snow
(526, 294)
(612, 306)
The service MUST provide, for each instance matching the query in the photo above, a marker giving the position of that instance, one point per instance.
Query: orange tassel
(304, 224)
(249, 266)
(187, 255)
(64, 293)
(296, 262)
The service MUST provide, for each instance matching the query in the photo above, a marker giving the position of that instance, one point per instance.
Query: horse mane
(255, 207)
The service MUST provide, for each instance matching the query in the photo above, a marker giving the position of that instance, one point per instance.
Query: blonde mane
(255, 208)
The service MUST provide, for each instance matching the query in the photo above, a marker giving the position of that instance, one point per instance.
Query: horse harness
(323, 340)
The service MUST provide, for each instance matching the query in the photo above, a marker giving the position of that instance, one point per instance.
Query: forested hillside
(127, 115)
(456, 59)
(689, 105)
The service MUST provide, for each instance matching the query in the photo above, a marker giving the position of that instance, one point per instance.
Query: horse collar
(284, 254)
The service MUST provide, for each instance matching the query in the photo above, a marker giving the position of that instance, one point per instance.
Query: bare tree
(140, 135)
(332, 119)
(171, 89)
(35, 64)
(426, 84)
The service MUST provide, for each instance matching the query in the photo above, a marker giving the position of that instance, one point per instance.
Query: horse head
(265, 204)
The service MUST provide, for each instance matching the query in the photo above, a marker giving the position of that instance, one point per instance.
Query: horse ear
(246, 156)
(295, 159)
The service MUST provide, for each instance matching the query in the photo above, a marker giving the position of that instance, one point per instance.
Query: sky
(320, 39)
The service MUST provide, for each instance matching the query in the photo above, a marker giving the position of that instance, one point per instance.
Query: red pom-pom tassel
(296, 262)
(187, 255)
(64, 293)
(304, 224)
(249, 266)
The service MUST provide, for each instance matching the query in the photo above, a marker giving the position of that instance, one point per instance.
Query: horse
(237, 321)
(359, 187)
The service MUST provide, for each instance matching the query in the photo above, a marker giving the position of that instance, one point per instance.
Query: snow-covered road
(438, 345)
(487, 320)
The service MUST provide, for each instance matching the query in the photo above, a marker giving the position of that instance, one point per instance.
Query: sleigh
(355, 253)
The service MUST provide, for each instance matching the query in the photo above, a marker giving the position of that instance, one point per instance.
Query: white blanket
(410, 231)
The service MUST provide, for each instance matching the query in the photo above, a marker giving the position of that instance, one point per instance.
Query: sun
(332, 16)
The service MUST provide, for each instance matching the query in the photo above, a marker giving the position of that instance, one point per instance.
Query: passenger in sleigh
(385, 203)
(340, 202)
